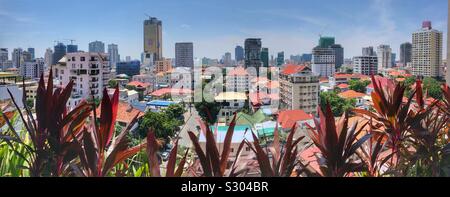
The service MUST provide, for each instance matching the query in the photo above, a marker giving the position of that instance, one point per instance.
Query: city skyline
(294, 30)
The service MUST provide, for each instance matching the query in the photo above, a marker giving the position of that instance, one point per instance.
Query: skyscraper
(384, 53)
(58, 52)
(4, 56)
(280, 58)
(239, 53)
(32, 53)
(184, 54)
(17, 57)
(265, 57)
(71, 48)
(367, 64)
(227, 60)
(48, 58)
(368, 51)
(153, 39)
(97, 47)
(253, 53)
(339, 55)
(113, 52)
(405, 53)
(427, 51)
(326, 57)
(447, 78)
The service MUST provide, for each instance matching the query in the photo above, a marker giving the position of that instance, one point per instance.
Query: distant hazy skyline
(216, 27)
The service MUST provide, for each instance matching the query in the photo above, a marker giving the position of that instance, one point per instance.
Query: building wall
(184, 54)
(153, 38)
(89, 71)
(129, 68)
(384, 53)
(427, 53)
(300, 91)
(366, 65)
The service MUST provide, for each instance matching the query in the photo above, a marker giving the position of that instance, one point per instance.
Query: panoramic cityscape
(360, 90)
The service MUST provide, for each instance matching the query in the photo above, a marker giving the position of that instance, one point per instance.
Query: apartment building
(89, 71)
(299, 89)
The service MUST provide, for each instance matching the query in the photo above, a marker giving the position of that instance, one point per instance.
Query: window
(247, 148)
(82, 59)
(232, 150)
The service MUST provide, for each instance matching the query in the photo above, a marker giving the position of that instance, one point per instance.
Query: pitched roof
(238, 71)
(125, 113)
(256, 98)
(351, 94)
(342, 86)
(137, 83)
(164, 91)
(231, 96)
(290, 69)
(288, 118)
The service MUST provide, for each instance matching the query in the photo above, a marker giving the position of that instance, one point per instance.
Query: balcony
(94, 72)
(94, 80)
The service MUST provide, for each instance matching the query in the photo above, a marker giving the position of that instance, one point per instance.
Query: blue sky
(217, 26)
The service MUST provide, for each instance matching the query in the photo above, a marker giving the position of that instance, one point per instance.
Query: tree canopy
(358, 85)
(338, 104)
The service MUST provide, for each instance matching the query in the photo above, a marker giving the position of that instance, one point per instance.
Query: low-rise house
(175, 94)
(230, 103)
(351, 94)
(288, 118)
(240, 133)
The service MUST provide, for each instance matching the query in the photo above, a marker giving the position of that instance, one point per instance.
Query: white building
(33, 69)
(237, 80)
(324, 61)
(48, 58)
(384, 53)
(366, 65)
(89, 71)
(427, 51)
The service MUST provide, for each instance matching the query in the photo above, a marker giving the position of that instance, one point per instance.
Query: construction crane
(71, 40)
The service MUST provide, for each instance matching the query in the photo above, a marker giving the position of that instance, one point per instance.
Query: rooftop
(288, 118)
(240, 133)
(351, 94)
(231, 96)
(290, 69)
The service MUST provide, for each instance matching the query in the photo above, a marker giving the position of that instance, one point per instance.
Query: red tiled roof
(351, 94)
(164, 91)
(342, 86)
(238, 71)
(370, 86)
(292, 69)
(256, 98)
(137, 83)
(288, 118)
(125, 113)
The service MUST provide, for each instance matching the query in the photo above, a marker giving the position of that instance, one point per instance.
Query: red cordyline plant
(54, 132)
(212, 162)
(153, 147)
(284, 159)
(396, 117)
(100, 151)
(337, 143)
(374, 152)
(428, 139)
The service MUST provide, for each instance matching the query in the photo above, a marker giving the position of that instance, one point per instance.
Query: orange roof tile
(137, 83)
(351, 94)
(288, 118)
(125, 113)
(292, 69)
(342, 86)
(238, 71)
(164, 91)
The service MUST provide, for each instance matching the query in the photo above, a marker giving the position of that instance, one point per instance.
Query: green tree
(204, 108)
(164, 123)
(112, 83)
(358, 86)
(338, 104)
(433, 87)
(430, 85)
(30, 103)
